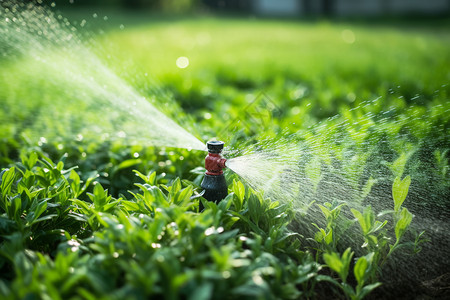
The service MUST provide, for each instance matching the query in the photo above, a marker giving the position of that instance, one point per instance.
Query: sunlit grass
(261, 50)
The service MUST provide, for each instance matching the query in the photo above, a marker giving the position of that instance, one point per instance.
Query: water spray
(214, 184)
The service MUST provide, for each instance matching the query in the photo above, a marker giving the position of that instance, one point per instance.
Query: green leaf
(100, 197)
(30, 160)
(403, 223)
(17, 206)
(377, 226)
(129, 163)
(339, 264)
(368, 288)
(398, 166)
(75, 183)
(42, 206)
(319, 236)
(87, 184)
(334, 262)
(400, 191)
(47, 162)
(176, 186)
(245, 219)
(254, 208)
(239, 189)
(44, 218)
(60, 166)
(150, 179)
(8, 177)
(130, 205)
(362, 221)
(183, 197)
(329, 237)
(326, 212)
(85, 207)
(360, 270)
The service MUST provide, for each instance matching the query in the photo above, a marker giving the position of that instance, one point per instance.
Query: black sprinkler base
(215, 187)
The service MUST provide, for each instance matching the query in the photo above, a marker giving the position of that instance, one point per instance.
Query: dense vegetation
(90, 219)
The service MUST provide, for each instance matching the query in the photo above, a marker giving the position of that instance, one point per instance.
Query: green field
(369, 100)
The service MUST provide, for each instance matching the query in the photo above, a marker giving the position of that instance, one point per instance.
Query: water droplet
(182, 62)
(351, 97)
(295, 110)
(209, 231)
(95, 15)
(257, 279)
(122, 27)
(348, 36)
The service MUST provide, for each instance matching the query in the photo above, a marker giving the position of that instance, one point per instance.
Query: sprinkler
(214, 184)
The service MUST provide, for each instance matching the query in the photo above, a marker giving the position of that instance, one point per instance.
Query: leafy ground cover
(77, 221)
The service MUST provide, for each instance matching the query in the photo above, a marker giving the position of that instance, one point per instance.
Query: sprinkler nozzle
(214, 184)
(214, 162)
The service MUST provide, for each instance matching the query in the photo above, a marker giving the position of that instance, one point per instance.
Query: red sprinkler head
(214, 162)
(214, 184)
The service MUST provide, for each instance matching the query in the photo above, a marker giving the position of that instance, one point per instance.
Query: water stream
(56, 76)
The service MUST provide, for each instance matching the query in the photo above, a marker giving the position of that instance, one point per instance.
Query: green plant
(377, 243)
(336, 225)
(154, 243)
(361, 270)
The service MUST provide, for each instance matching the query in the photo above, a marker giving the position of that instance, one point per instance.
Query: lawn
(363, 106)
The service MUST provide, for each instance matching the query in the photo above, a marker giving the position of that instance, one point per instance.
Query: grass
(76, 221)
(296, 64)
